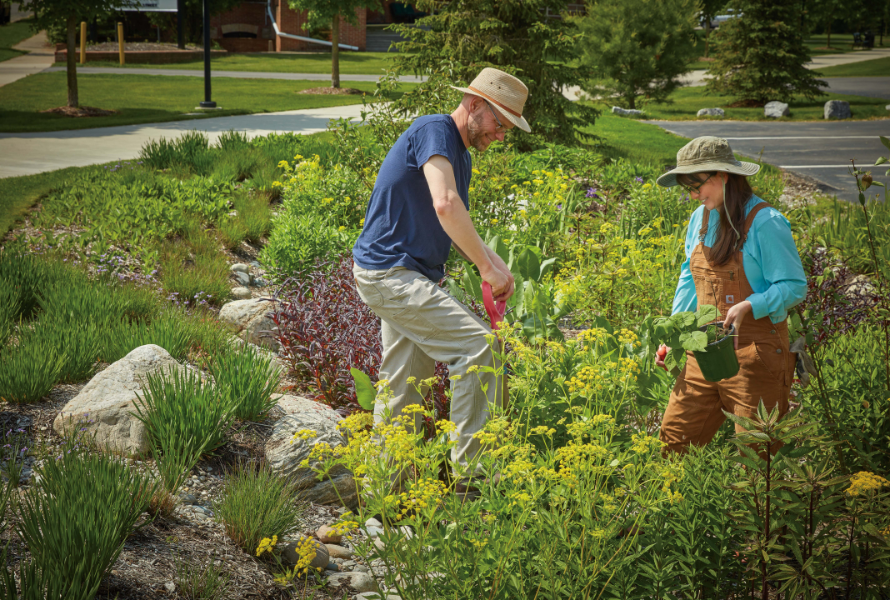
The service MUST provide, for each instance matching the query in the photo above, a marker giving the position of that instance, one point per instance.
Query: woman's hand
(735, 316)
(659, 356)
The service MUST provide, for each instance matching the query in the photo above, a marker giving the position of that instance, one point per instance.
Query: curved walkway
(29, 153)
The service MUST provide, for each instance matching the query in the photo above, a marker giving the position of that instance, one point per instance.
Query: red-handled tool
(495, 310)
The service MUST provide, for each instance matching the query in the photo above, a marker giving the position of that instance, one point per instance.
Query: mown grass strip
(18, 194)
(351, 63)
(153, 99)
(878, 67)
(12, 34)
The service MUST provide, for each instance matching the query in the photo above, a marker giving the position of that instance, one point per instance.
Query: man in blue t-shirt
(418, 210)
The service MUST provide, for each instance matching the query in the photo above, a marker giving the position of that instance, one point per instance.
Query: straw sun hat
(504, 91)
(705, 154)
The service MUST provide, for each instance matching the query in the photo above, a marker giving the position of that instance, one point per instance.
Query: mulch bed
(140, 47)
(80, 111)
(746, 104)
(331, 91)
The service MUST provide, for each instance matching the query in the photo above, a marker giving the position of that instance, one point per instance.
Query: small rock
(376, 596)
(170, 586)
(378, 543)
(374, 532)
(328, 535)
(624, 112)
(252, 320)
(357, 582)
(336, 551)
(887, 107)
(321, 560)
(360, 569)
(372, 522)
(710, 112)
(837, 109)
(243, 278)
(241, 293)
(260, 282)
(188, 499)
(347, 564)
(332, 566)
(776, 109)
(239, 268)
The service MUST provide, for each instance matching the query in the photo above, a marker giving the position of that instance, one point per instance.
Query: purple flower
(638, 179)
(591, 193)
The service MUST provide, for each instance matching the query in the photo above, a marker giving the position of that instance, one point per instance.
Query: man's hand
(499, 264)
(735, 316)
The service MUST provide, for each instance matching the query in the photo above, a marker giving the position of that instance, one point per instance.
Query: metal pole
(208, 103)
(180, 39)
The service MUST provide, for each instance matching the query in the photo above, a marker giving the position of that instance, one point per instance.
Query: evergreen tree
(760, 55)
(638, 47)
(526, 38)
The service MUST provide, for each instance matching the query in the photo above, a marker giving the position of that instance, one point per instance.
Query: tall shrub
(760, 55)
(636, 47)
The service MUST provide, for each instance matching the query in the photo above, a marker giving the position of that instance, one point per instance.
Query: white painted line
(809, 137)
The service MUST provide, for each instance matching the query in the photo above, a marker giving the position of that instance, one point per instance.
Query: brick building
(247, 28)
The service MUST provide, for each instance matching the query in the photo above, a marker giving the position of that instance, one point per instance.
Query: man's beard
(476, 136)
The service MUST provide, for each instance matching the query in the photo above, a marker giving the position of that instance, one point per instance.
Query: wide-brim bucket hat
(504, 91)
(705, 154)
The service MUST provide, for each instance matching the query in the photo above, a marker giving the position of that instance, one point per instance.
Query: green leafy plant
(9, 310)
(255, 504)
(683, 331)
(76, 519)
(247, 378)
(184, 418)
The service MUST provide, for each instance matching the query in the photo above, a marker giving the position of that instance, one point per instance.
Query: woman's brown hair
(732, 211)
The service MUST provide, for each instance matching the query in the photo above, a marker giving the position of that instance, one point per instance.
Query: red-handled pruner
(495, 310)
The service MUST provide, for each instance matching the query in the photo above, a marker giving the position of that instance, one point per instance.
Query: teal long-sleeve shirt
(769, 257)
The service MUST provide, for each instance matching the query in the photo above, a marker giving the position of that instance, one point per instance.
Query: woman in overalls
(741, 257)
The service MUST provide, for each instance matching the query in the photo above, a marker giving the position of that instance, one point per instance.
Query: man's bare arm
(456, 222)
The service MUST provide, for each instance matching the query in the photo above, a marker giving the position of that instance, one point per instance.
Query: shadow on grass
(19, 121)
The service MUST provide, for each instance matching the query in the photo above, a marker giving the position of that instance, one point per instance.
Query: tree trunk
(335, 51)
(632, 101)
(71, 24)
(828, 29)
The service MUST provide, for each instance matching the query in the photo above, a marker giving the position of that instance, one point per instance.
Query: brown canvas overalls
(694, 412)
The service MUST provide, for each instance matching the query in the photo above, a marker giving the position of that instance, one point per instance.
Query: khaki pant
(421, 323)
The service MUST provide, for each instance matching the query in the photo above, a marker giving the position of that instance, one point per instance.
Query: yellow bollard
(120, 40)
(83, 42)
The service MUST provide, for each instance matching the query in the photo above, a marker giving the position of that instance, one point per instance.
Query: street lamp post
(208, 103)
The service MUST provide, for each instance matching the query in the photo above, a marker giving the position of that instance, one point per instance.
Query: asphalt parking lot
(819, 151)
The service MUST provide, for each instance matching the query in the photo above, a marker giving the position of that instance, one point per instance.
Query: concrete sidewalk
(230, 74)
(40, 56)
(29, 153)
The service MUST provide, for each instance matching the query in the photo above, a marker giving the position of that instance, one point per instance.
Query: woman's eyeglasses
(694, 187)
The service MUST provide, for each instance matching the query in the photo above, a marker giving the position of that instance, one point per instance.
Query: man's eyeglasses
(500, 128)
(695, 187)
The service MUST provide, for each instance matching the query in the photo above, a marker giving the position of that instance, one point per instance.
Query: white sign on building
(148, 5)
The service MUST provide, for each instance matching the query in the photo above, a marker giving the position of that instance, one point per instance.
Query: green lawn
(151, 98)
(878, 67)
(351, 63)
(10, 35)
(687, 102)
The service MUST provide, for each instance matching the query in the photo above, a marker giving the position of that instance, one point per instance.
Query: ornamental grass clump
(195, 582)
(247, 378)
(256, 504)
(30, 369)
(75, 520)
(184, 418)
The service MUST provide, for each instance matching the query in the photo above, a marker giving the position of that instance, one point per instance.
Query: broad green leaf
(705, 314)
(364, 389)
(683, 319)
(881, 160)
(529, 265)
(696, 341)
(885, 141)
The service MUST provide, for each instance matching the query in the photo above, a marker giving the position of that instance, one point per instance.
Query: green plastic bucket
(718, 360)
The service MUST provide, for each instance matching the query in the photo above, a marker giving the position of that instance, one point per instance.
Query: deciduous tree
(48, 13)
(760, 54)
(638, 47)
(331, 12)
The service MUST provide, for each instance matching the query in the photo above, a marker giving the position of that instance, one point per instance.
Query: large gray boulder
(776, 109)
(710, 112)
(252, 320)
(837, 109)
(626, 112)
(285, 457)
(105, 405)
